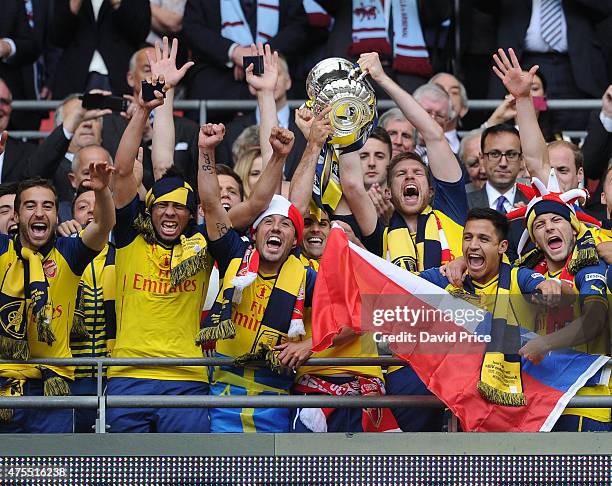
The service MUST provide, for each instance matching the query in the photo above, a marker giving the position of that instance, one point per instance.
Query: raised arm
(443, 164)
(95, 235)
(217, 219)
(48, 156)
(264, 86)
(300, 190)
(518, 83)
(163, 66)
(353, 190)
(125, 184)
(242, 215)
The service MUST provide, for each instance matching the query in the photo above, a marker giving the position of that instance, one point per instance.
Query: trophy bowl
(337, 83)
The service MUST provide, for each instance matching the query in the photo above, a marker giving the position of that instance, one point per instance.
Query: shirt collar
(282, 115)
(493, 194)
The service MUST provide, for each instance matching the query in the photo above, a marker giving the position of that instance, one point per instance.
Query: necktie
(551, 17)
(500, 208)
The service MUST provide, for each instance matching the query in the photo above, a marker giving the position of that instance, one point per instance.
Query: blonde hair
(243, 167)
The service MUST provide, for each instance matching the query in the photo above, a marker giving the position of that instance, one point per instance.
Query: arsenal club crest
(50, 268)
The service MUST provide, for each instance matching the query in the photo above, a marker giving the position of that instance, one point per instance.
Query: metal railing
(204, 106)
(101, 401)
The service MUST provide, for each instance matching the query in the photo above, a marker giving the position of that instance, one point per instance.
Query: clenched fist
(211, 135)
(281, 140)
(370, 63)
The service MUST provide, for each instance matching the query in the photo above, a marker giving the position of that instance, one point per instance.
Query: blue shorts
(38, 421)
(410, 419)
(246, 419)
(576, 423)
(85, 418)
(166, 420)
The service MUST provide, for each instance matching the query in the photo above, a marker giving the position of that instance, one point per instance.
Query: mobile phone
(148, 90)
(256, 61)
(97, 101)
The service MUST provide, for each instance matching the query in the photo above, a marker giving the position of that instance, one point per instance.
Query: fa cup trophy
(337, 83)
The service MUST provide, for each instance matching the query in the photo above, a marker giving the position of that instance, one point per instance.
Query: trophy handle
(354, 74)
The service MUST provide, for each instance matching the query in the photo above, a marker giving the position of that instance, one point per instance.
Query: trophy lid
(325, 71)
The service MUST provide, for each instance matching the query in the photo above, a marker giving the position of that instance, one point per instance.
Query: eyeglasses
(496, 155)
(437, 115)
(5, 101)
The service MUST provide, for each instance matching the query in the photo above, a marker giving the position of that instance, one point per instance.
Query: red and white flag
(351, 282)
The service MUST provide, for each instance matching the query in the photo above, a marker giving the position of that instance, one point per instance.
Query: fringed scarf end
(144, 226)
(584, 257)
(224, 330)
(56, 386)
(188, 268)
(79, 331)
(14, 349)
(499, 397)
(43, 326)
(6, 414)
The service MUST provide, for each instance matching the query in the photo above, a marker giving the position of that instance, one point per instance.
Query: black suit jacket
(211, 78)
(14, 25)
(479, 199)
(585, 55)
(24, 160)
(185, 153)
(16, 155)
(116, 35)
(223, 153)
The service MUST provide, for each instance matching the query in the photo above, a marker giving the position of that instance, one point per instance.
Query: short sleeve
(76, 253)
(229, 246)
(374, 243)
(591, 283)
(450, 198)
(434, 276)
(528, 280)
(124, 232)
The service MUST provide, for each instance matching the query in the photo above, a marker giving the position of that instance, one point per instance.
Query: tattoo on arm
(222, 229)
(207, 165)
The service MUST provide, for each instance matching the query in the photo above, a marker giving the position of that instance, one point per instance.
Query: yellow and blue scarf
(429, 249)
(14, 305)
(282, 319)
(189, 253)
(327, 191)
(500, 372)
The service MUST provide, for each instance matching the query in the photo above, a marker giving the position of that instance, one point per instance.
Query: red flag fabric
(348, 274)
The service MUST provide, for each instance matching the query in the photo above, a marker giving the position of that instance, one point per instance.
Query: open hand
(163, 64)
(517, 82)
(293, 354)
(100, 173)
(266, 81)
